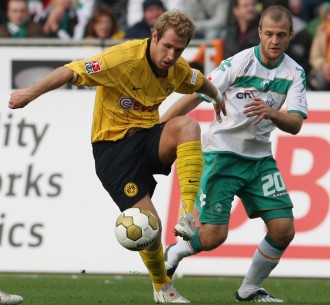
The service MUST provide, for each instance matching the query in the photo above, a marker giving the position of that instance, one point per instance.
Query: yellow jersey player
(130, 145)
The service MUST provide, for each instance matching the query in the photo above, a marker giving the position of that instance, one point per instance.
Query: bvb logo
(130, 189)
(169, 89)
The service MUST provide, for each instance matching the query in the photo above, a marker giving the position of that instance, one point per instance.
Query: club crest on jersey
(93, 66)
(130, 189)
(264, 85)
(169, 89)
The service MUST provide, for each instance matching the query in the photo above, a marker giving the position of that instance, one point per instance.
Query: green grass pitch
(134, 289)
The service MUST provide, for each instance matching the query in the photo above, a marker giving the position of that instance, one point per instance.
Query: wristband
(204, 98)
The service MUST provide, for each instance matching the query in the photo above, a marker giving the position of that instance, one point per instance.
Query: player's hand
(218, 108)
(259, 109)
(20, 98)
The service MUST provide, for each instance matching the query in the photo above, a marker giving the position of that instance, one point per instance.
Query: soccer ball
(136, 229)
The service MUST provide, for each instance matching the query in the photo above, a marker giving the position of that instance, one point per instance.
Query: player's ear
(154, 36)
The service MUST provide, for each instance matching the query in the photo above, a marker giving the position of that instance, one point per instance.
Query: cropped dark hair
(277, 13)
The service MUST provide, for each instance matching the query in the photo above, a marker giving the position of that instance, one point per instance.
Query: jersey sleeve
(296, 100)
(92, 71)
(192, 79)
(225, 74)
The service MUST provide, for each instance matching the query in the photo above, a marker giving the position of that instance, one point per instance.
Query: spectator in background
(320, 52)
(84, 10)
(3, 7)
(314, 23)
(119, 8)
(152, 9)
(103, 25)
(242, 33)
(135, 12)
(58, 19)
(305, 9)
(210, 17)
(18, 23)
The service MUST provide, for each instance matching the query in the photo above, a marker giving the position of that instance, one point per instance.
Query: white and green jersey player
(237, 153)
(255, 83)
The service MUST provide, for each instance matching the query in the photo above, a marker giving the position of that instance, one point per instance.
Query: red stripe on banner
(315, 116)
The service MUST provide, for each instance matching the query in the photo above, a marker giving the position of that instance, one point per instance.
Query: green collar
(258, 55)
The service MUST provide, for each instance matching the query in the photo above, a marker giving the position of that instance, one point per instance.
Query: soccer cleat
(168, 294)
(9, 299)
(170, 270)
(261, 295)
(185, 226)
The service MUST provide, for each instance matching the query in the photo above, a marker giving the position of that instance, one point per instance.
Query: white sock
(264, 260)
(178, 251)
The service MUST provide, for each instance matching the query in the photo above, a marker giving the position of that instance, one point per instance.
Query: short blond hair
(177, 20)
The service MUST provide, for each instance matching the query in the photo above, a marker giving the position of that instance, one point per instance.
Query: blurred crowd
(234, 22)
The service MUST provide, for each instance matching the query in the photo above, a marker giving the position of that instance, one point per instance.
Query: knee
(289, 236)
(188, 127)
(212, 240)
(212, 243)
(284, 237)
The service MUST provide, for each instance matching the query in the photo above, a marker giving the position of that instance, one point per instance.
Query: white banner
(56, 217)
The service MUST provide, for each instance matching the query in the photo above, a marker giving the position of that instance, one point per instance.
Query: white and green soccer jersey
(242, 77)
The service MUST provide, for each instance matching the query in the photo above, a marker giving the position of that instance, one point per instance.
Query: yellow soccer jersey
(129, 92)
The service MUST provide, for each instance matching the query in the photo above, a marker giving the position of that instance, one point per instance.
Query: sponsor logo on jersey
(247, 95)
(93, 66)
(130, 189)
(270, 102)
(128, 103)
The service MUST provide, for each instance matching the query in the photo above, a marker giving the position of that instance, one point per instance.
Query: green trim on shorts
(280, 213)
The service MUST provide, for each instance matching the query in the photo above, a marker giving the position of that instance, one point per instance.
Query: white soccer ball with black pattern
(136, 229)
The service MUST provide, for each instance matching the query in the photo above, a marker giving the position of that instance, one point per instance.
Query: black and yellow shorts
(126, 167)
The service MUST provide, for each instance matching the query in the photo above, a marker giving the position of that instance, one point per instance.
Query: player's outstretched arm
(210, 90)
(183, 106)
(57, 78)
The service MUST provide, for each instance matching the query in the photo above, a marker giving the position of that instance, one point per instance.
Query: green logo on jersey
(303, 76)
(224, 63)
